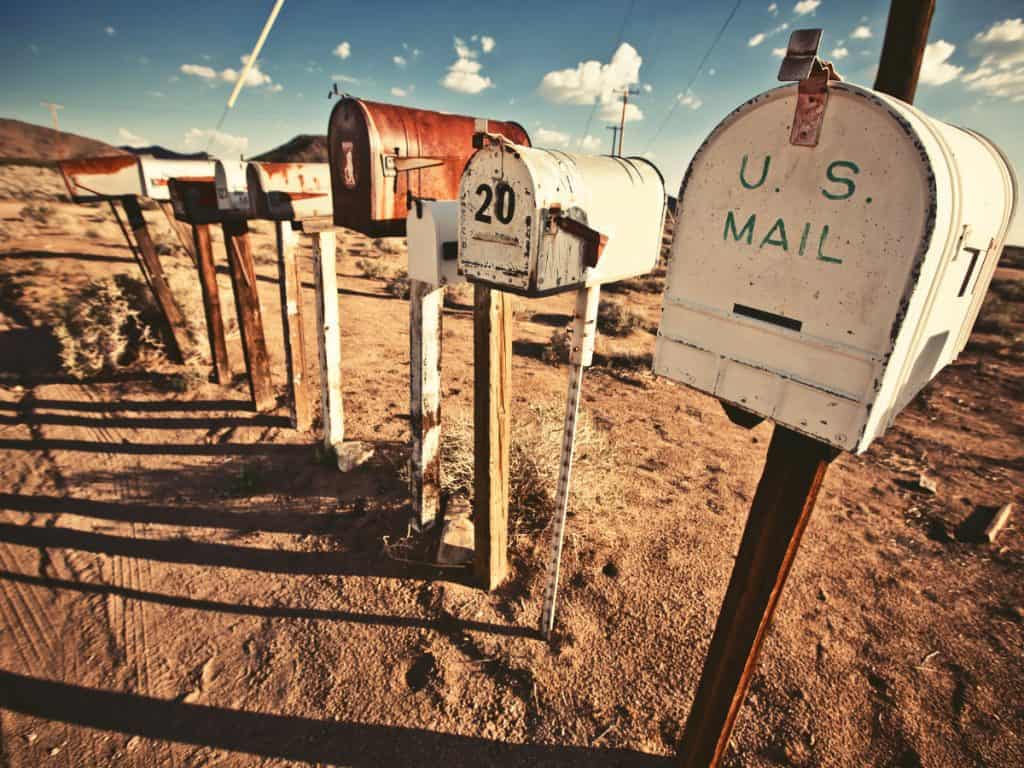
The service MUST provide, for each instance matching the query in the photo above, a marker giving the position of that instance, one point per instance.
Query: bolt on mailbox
(541, 221)
(381, 154)
(290, 191)
(832, 249)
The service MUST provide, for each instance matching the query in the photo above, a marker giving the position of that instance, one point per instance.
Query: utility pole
(626, 93)
(53, 112)
(615, 134)
(906, 36)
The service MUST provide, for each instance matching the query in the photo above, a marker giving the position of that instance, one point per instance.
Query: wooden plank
(290, 283)
(793, 473)
(425, 325)
(492, 432)
(180, 228)
(328, 338)
(906, 36)
(203, 249)
(250, 319)
(177, 338)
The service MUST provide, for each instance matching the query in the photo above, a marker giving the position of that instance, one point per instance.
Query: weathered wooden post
(203, 250)
(880, 216)
(328, 335)
(532, 222)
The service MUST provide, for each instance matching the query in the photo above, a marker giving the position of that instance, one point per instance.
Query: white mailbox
(100, 178)
(290, 191)
(432, 227)
(539, 221)
(156, 174)
(232, 188)
(832, 249)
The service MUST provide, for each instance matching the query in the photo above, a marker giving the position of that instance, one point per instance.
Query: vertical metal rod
(906, 36)
(584, 332)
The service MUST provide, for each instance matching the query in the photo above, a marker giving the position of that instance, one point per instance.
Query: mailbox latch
(801, 64)
(593, 241)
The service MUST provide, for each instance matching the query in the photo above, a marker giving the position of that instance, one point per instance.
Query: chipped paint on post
(823, 286)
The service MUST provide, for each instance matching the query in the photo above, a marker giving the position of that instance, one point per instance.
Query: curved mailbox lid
(157, 173)
(195, 200)
(290, 191)
(101, 178)
(232, 187)
(379, 153)
(539, 221)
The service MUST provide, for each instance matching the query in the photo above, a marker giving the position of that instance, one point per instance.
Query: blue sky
(161, 73)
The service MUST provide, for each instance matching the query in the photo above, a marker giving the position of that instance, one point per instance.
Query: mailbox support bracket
(801, 63)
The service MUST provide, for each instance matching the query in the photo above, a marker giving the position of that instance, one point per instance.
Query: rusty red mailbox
(381, 154)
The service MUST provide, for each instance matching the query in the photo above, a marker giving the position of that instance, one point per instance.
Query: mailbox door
(100, 178)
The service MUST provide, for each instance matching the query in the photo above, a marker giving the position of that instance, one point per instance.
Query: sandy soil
(183, 584)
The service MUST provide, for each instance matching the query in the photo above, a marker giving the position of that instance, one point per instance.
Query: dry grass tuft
(535, 459)
(389, 244)
(108, 325)
(614, 319)
(372, 269)
(398, 284)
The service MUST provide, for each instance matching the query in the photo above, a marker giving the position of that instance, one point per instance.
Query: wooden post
(492, 432)
(177, 340)
(180, 228)
(247, 305)
(328, 338)
(290, 283)
(211, 303)
(425, 324)
(793, 472)
(906, 35)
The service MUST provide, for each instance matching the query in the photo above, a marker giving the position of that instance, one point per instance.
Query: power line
(618, 41)
(696, 73)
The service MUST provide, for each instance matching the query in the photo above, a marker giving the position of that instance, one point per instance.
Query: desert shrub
(109, 324)
(614, 319)
(999, 315)
(458, 295)
(40, 213)
(389, 244)
(93, 234)
(372, 269)
(398, 284)
(557, 350)
(535, 457)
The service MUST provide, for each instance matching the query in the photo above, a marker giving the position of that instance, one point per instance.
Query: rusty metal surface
(289, 191)
(195, 200)
(365, 141)
(100, 178)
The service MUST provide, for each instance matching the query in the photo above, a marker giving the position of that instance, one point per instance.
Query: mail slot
(232, 189)
(195, 200)
(433, 228)
(382, 153)
(100, 178)
(289, 191)
(830, 257)
(157, 173)
(541, 221)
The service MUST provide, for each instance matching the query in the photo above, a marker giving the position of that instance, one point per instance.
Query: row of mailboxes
(102, 178)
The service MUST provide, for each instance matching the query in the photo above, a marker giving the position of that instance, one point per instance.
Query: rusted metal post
(290, 283)
(793, 473)
(425, 326)
(328, 338)
(492, 432)
(203, 250)
(178, 337)
(906, 35)
(250, 319)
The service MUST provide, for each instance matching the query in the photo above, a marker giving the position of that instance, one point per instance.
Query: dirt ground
(183, 583)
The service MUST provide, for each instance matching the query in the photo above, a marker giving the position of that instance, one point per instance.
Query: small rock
(54, 751)
(192, 696)
(31, 737)
(457, 539)
(352, 454)
(822, 595)
(927, 483)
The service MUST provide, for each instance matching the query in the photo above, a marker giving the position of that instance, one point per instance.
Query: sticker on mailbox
(348, 165)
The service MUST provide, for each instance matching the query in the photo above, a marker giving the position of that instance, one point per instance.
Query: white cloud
(399, 61)
(862, 32)
(276, 88)
(110, 31)
(222, 143)
(612, 112)
(1001, 71)
(464, 74)
(1006, 31)
(399, 92)
(591, 81)
(550, 138)
(198, 70)
(689, 100)
(487, 43)
(780, 52)
(344, 50)
(131, 139)
(756, 40)
(936, 69)
(345, 79)
(773, 9)
(840, 53)
(806, 6)
(589, 143)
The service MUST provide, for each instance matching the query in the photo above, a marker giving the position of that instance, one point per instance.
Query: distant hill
(162, 153)
(304, 148)
(35, 144)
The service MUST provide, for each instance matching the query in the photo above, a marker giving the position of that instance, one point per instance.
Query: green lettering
(748, 228)
(764, 173)
(848, 183)
(821, 247)
(779, 225)
(803, 237)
